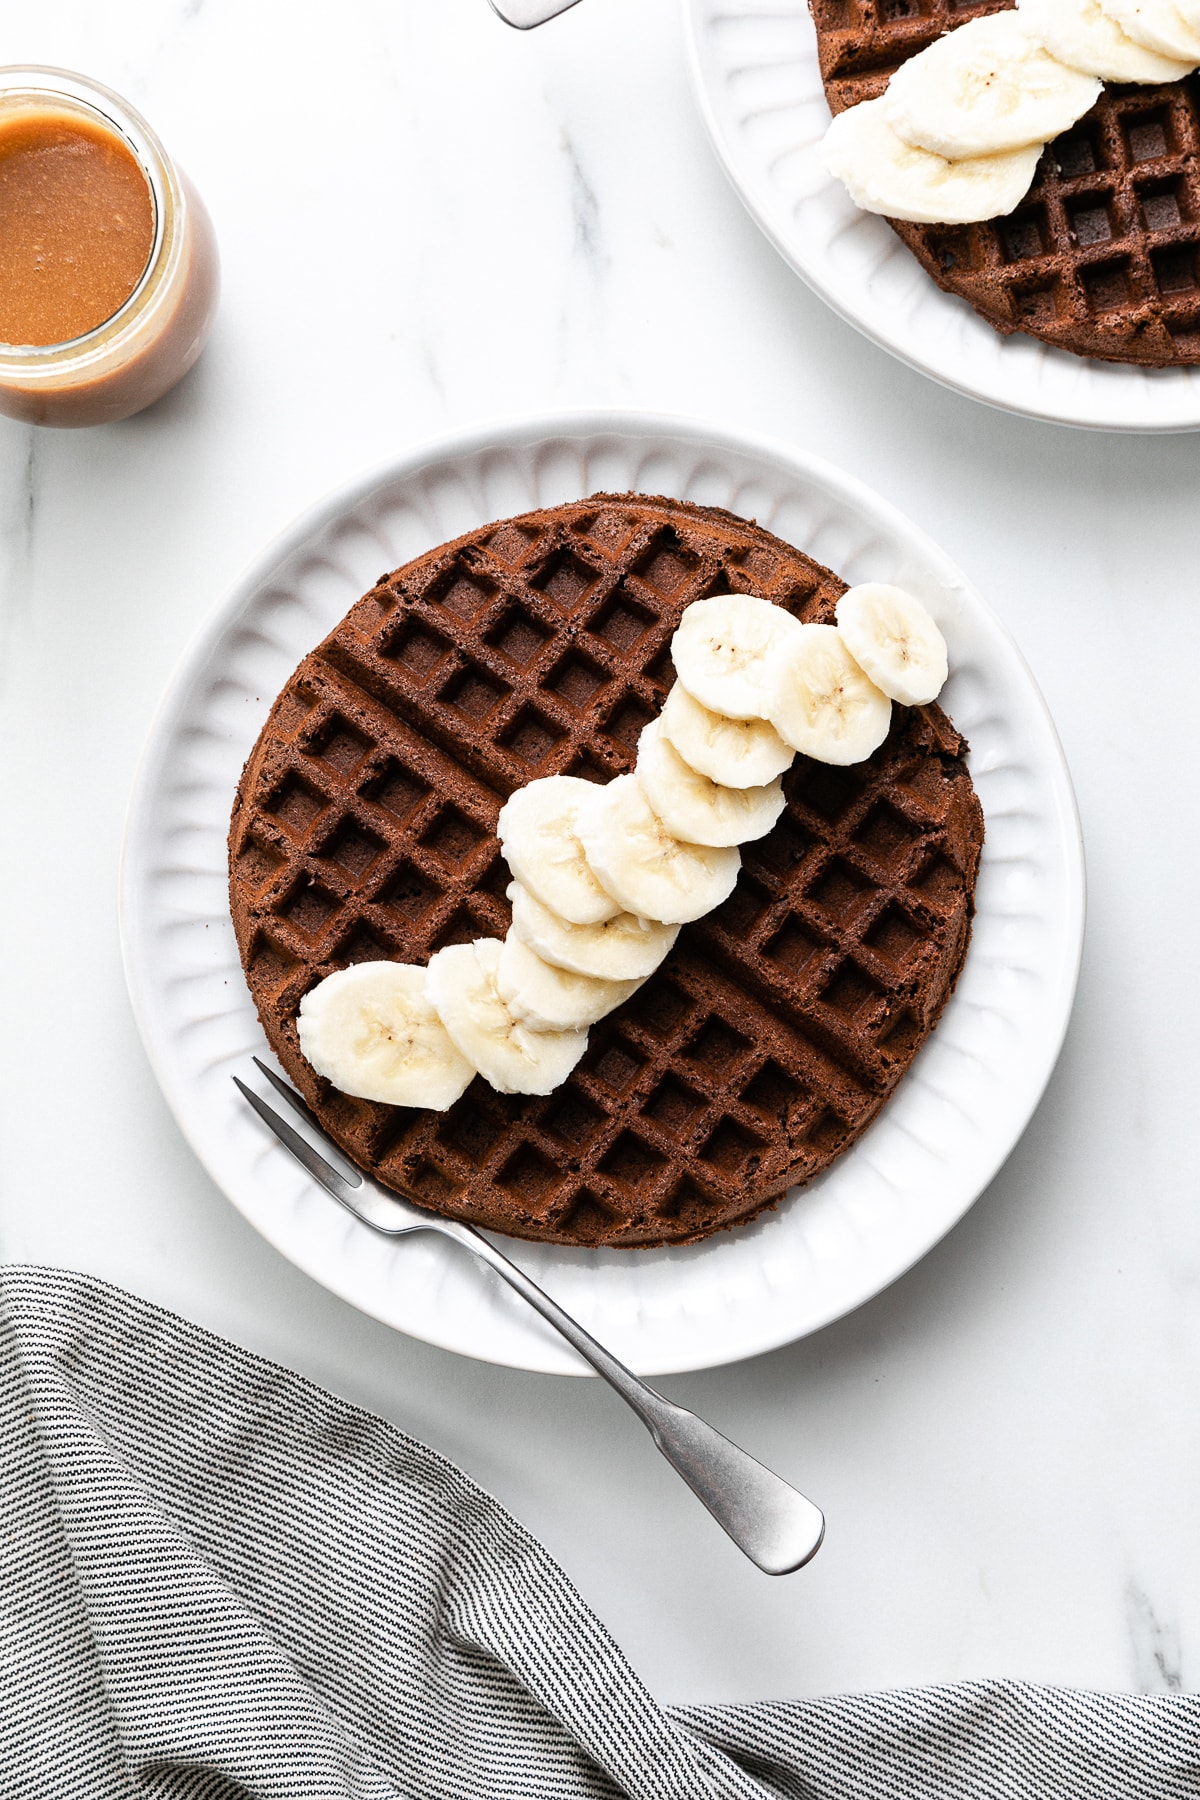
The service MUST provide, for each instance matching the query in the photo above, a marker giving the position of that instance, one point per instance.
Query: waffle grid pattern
(365, 828)
(1103, 255)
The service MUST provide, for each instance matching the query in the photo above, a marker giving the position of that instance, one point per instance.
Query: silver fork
(525, 14)
(776, 1527)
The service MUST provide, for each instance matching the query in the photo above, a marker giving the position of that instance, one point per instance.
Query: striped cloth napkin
(219, 1582)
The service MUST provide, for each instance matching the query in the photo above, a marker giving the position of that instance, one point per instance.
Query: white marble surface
(427, 219)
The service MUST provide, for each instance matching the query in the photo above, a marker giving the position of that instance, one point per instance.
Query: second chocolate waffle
(1102, 257)
(364, 829)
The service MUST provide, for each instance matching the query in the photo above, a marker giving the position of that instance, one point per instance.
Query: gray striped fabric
(217, 1581)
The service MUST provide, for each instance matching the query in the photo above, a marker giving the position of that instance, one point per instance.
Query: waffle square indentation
(572, 1118)
(1077, 153)
(782, 850)
(885, 833)
(589, 1220)
(630, 1161)
(565, 579)
(1161, 207)
(840, 889)
(531, 737)
(577, 679)
(364, 945)
(622, 622)
(470, 1131)
(1037, 306)
(745, 909)
(938, 879)
(519, 637)
(1147, 137)
(828, 1131)
(851, 991)
(665, 565)
(618, 1066)
(1185, 334)
(256, 864)
(297, 806)
(353, 848)
(793, 948)
(902, 1033)
(1090, 220)
(452, 836)
(409, 892)
(1024, 235)
(1175, 270)
(416, 648)
(309, 907)
(397, 789)
(716, 1047)
(270, 964)
(893, 935)
(660, 1008)
(772, 1093)
(688, 1204)
(672, 1105)
(340, 745)
(463, 593)
(462, 927)
(528, 1176)
(475, 695)
(431, 1185)
(732, 1149)
(627, 722)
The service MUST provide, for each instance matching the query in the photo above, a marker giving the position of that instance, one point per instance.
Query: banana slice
(372, 1030)
(461, 982)
(1158, 25)
(894, 640)
(724, 649)
(547, 998)
(986, 87)
(886, 175)
(695, 809)
(823, 703)
(624, 948)
(537, 831)
(1079, 33)
(647, 868)
(738, 753)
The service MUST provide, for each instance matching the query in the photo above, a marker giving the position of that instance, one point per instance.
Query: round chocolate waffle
(364, 828)
(1102, 257)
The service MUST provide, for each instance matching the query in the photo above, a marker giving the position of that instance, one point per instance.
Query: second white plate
(755, 72)
(942, 1135)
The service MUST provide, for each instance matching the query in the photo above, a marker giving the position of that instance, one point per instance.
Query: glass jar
(131, 359)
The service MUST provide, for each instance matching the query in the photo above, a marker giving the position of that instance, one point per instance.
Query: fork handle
(776, 1527)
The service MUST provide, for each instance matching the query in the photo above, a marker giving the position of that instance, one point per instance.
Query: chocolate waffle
(1102, 257)
(364, 828)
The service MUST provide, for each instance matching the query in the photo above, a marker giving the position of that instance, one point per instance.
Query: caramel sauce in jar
(108, 263)
(76, 226)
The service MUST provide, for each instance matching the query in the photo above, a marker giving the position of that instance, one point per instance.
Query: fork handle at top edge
(525, 14)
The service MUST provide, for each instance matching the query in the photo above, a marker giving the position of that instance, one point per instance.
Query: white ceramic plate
(754, 70)
(943, 1134)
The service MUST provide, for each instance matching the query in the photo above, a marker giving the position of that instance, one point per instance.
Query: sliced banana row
(957, 135)
(605, 876)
